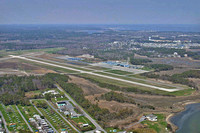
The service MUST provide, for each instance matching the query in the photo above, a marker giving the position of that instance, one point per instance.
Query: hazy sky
(99, 11)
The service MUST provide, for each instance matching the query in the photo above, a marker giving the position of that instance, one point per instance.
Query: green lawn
(137, 76)
(98, 68)
(159, 126)
(119, 72)
(185, 92)
(84, 120)
(147, 69)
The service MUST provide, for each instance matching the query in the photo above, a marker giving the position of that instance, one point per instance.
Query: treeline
(178, 78)
(160, 67)
(195, 47)
(42, 105)
(119, 97)
(154, 52)
(135, 61)
(13, 88)
(191, 74)
(150, 51)
(102, 115)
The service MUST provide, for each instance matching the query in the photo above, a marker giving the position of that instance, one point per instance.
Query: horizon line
(94, 24)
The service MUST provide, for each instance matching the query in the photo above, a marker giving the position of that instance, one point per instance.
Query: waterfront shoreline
(174, 127)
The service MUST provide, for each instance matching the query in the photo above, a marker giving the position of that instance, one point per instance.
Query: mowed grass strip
(135, 80)
(119, 72)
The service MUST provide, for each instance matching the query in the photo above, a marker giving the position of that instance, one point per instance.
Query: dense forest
(160, 67)
(119, 97)
(139, 61)
(13, 88)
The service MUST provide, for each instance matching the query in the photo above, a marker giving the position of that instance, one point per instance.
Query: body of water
(99, 28)
(188, 121)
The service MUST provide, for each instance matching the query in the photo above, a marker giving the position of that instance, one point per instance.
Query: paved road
(95, 74)
(24, 119)
(4, 121)
(45, 118)
(98, 127)
(62, 116)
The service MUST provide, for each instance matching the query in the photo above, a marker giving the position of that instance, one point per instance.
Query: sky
(99, 11)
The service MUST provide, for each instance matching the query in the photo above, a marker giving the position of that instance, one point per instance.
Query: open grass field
(13, 118)
(137, 76)
(119, 72)
(98, 68)
(83, 120)
(136, 80)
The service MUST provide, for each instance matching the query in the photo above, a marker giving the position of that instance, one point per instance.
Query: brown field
(21, 67)
(180, 64)
(88, 87)
(7, 71)
(196, 81)
(174, 71)
(31, 94)
(163, 104)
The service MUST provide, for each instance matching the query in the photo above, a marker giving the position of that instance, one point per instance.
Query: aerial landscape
(71, 67)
